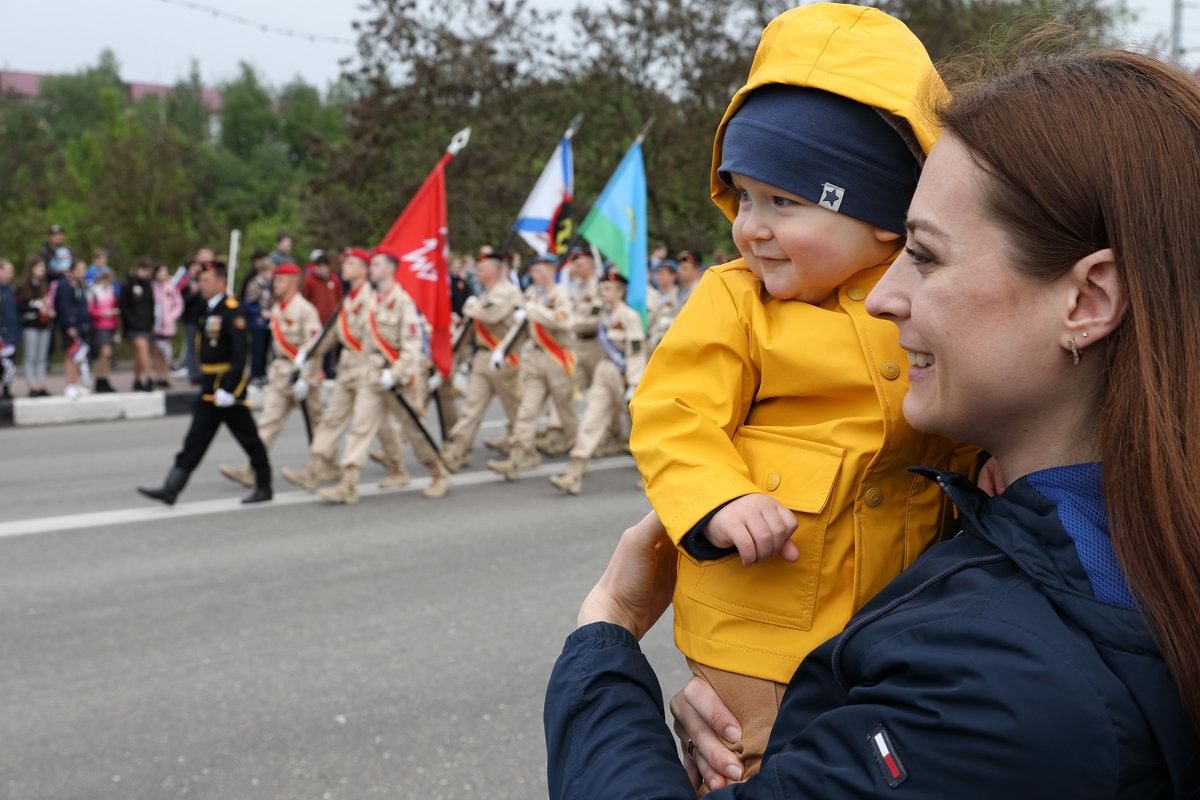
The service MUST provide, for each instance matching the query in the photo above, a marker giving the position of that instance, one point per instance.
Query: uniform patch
(287, 322)
(893, 769)
(617, 326)
(560, 316)
(391, 305)
(831, 197)
(239, 323)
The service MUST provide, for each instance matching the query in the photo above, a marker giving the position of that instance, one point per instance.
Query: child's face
(799, 250)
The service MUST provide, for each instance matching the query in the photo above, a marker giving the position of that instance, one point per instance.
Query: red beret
(357, 253)
(287, 269)
(385, 250)
(614, 274)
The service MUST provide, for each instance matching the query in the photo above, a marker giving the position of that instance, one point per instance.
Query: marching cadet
(221, 347)
(623, 341)
(546, 367)
(294, 323)
(395, 362)
(487, 320)
(666, 309)
(586, 305)
(352, 331)
(688, 274)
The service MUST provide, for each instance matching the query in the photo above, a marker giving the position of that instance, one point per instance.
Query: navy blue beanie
(825, 148)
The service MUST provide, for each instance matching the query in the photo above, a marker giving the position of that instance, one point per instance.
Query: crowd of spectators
(60, 304)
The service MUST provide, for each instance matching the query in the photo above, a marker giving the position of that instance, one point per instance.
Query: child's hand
(758, 526)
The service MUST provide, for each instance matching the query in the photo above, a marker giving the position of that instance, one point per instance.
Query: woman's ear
(1097, 301)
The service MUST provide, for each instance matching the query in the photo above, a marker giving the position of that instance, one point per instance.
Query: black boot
(170, 489)
(262, 485)
(260, 494)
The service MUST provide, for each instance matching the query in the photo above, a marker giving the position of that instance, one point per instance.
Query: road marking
(122, 516)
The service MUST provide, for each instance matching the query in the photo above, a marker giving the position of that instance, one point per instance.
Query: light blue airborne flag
(616, 225)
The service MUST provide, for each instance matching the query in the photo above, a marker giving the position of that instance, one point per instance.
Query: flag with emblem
(616, 225)
(420, 236)
(544, 222)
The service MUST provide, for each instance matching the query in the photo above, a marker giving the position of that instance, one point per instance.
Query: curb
(57, 410)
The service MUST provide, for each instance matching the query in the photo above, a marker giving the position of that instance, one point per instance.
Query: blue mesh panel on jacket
(1078, 491)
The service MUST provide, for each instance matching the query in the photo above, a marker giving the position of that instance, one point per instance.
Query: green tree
(72, 104)
(129, 187)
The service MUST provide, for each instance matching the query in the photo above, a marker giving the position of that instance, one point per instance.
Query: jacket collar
(1025, 526)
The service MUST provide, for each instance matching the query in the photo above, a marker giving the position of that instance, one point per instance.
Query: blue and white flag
(544, 222)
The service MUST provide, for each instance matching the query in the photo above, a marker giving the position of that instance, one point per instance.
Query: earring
(1074, 351)
(1085, 334)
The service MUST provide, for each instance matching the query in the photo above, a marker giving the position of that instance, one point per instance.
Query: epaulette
(231, 303)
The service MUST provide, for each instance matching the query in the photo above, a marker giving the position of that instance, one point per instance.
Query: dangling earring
(1074, 351)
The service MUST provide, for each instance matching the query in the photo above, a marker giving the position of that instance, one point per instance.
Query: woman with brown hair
(33, 308)
(1049, 299)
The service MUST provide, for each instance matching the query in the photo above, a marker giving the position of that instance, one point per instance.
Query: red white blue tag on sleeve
(893, 769)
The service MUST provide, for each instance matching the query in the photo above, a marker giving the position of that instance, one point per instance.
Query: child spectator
(136, 301)
(75, 323)
(10, 328)
(102, 306)
(168, 306)
(768, 420)
(34, 313)
(99, 262)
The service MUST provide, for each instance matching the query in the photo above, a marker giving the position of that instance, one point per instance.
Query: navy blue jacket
(988, 669)
(70, 306)
(10, 321)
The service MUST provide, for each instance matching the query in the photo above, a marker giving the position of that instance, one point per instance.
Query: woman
(33, 308)
(168, 306)
(1050, 304)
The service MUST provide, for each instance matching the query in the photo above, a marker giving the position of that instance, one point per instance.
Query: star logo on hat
(831, 197)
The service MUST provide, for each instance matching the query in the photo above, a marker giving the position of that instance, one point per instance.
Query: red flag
(420, 237)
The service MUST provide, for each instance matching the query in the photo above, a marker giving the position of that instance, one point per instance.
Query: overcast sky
(156, 40)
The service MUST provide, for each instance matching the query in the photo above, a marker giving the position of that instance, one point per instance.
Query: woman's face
(983, 340)
(161, 273)
(38, 270)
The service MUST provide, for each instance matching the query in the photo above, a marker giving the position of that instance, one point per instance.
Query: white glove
(435, 381)
(386, 380)
(629, 393)
(519, 316)
(300, 390)
(223, 399)
(497, 360)
(8, 350)
(301, 359)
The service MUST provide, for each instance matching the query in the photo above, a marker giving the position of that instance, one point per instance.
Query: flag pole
(235, 239)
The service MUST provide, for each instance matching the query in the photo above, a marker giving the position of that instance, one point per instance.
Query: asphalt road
(395, 649)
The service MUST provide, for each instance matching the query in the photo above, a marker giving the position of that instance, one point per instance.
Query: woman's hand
(636, 588)
(699, 715)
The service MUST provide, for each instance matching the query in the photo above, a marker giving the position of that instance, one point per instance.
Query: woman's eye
(918, 258)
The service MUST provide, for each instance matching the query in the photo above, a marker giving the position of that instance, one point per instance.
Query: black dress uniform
(221, 349)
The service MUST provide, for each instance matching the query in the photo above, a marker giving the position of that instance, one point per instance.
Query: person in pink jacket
(168, 306)
(106, 317)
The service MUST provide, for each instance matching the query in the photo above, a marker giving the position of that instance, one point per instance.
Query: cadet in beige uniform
(664, 311)
(394, 363)
(294, 323)
(547, 366)
(489, 319)
(623, 342)
(352, 332)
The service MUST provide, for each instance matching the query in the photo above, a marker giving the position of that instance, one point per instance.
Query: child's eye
(783, 202)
